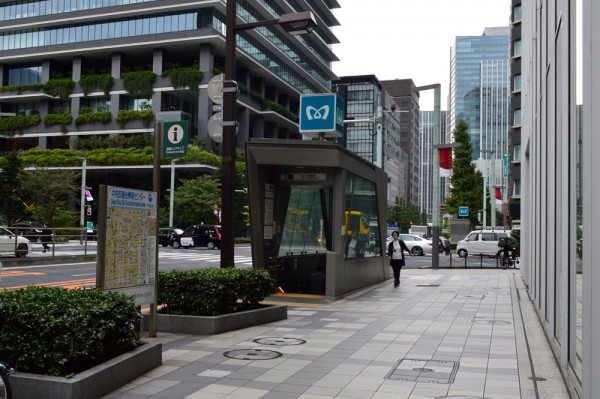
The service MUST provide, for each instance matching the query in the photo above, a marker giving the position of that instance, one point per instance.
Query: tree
(46, 194)
(466, 183)
(11, 205)
(194, 201)
(403, 213)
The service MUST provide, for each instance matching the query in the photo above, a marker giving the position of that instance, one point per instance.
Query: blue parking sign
(463, 211)
(321, 113)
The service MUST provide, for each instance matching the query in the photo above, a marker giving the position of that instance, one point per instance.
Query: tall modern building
(120, 57)
(479, 88)
(426, 157)
(375, 136)
(406, 96)
(513, 189)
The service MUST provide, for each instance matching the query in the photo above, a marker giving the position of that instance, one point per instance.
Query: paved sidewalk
(444, 333)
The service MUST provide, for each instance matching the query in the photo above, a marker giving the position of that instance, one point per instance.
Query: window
(517, 14)
(517, 117)
(517, 82)
(361, 224)
(517, 48)
(516, 152)
(517, 187)
(24, 75)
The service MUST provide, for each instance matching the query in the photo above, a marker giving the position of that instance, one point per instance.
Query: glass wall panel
(304, 229)
(361, 224)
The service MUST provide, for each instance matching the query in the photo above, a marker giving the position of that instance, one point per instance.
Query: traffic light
(88, 210)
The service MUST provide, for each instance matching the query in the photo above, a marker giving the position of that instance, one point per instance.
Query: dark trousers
(396, 265)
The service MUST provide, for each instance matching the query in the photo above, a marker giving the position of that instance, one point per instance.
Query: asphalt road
(73, 275)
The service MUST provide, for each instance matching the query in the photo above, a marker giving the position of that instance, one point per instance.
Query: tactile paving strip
(435, 371)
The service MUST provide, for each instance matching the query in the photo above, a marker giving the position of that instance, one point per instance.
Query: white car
(481, 242)
(8, 246)
(416, 245)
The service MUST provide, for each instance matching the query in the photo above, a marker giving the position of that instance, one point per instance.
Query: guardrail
(51, 242)
(473, 260)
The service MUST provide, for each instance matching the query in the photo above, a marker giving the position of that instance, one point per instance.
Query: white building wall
(591, 198)
(562, 286)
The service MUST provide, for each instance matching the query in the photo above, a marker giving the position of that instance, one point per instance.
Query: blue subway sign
(463, 211)
(321, 113)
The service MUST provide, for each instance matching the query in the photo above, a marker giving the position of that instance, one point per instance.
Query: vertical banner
(498, 196)
(445, 162)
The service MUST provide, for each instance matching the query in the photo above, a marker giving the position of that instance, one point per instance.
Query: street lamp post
(294, 24)
(82, 215)
(172, 192)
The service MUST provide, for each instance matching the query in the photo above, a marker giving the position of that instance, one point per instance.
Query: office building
(121, 57)
(406, 96)
(513, 183)
(373, 129)
(479, 85)
(426, 157)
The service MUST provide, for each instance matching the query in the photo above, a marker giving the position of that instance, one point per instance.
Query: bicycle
(5, 389)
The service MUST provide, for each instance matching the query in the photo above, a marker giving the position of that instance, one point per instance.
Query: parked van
(481, 242)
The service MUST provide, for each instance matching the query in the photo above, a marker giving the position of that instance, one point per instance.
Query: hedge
(211, 292)
(54, 331)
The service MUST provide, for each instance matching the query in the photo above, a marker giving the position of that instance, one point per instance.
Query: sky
(408, 39)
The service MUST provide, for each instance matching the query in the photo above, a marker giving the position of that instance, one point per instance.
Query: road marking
(10, 273)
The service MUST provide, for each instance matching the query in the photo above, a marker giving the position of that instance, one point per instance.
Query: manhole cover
(433, 371)
(470, 296)
(279, 341)
(252, 354)
(428, 285)
(491, 321)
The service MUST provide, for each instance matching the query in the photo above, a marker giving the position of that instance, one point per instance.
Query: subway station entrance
(317, 216)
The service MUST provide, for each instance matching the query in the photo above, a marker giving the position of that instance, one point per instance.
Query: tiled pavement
(444, 333)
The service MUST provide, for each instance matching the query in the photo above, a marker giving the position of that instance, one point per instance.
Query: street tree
(194, 199)
(404, 214)
(45, 194)
(466, 183)
(11, 205)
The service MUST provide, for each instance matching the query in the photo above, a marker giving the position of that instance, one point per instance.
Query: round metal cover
(279, 341)
(252, 354)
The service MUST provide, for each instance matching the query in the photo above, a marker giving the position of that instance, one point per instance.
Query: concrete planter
(210, 325)
(90, 384)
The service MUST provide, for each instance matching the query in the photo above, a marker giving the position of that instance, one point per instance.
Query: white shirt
(397, 253)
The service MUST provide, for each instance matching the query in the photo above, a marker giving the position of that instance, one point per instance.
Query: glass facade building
(479, 86)
(426, 156)
(68, 39)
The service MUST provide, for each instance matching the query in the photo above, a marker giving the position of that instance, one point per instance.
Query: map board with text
(127, 243)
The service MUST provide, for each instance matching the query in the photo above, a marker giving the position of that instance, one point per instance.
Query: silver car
(416, 245)
(20, 248)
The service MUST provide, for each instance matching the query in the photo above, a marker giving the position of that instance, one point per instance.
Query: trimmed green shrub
(102, 82)
(54, 331)
(125, 116)
(14, 124)
(61, 88)
(91, 117)
(139, 82)
(186, 77)
(58, 119)
(211, 292)
(19, 88)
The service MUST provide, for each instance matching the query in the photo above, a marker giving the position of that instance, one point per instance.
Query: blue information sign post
(463, 211)
(321, 114)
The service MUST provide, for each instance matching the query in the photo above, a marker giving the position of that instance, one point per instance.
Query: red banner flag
(498, 196)
(445, 162)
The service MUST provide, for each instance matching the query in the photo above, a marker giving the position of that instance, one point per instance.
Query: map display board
(129, 243)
